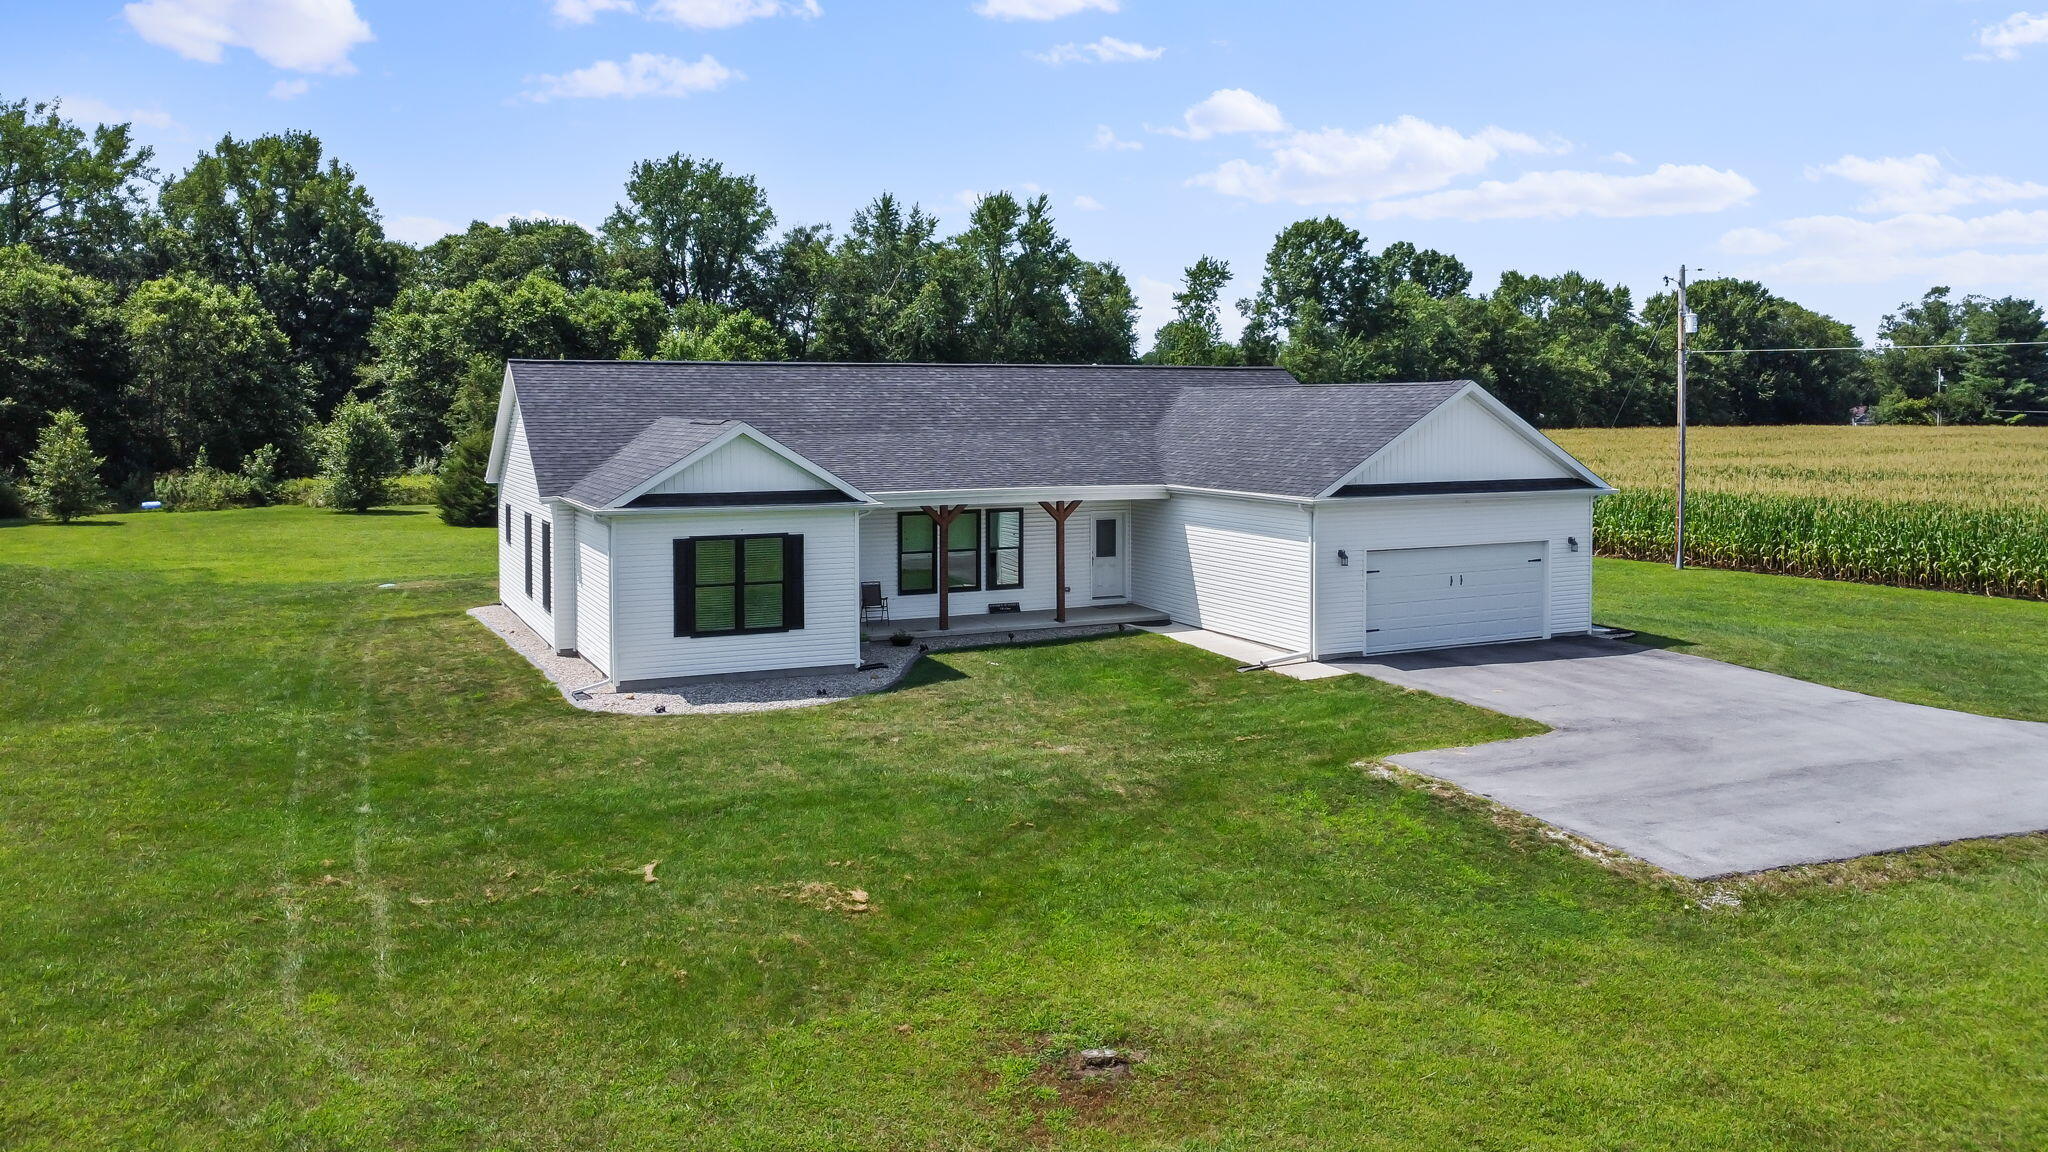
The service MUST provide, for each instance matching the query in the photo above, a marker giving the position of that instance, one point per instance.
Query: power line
(1873, 351)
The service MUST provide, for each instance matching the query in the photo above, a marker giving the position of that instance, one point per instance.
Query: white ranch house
(668, 521)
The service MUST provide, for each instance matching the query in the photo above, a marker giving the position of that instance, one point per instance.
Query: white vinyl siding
(1463, 440)
(643, 587)
(594, 591)
(878, 549)
(1230, 565)
(1363, 526)
(741, 465)
(518, 489)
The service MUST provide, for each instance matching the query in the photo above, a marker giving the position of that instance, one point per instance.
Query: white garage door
(1443, 597)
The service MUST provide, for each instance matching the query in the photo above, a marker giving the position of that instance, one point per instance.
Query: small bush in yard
(263, 469)
(12, 506)
(204, 488)
(63, 473)
(358, 456)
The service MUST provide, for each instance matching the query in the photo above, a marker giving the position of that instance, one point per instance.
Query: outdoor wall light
(1343, 558)
(1572, 542)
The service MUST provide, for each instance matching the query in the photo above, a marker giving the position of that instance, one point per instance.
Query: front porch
(1001, 623)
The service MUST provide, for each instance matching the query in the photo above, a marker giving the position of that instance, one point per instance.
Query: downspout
(1313, 544)
(611, 594)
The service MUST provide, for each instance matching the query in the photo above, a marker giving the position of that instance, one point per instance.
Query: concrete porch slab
(1003, 623)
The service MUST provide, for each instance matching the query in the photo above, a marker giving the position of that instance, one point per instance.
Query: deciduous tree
(71, 196)
(276, 216)
(211, 372)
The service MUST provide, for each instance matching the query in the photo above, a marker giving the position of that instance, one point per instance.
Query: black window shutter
(547, 565)
(508, 523)
(686, 604)
(792, 582)
(529, 555)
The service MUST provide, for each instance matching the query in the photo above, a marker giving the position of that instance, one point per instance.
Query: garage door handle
(1370, 571)
(1537, 560)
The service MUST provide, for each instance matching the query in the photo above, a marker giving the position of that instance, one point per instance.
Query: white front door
(1447, 597)
(1106, 547)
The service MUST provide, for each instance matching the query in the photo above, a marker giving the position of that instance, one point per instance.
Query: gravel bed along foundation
(585, 687)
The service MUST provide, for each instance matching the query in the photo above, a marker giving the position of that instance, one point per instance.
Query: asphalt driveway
(1707, 768)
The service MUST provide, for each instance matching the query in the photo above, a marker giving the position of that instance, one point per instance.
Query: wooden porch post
(1059, 510)
(942, 521)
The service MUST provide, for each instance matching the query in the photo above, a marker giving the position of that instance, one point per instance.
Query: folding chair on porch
(873, 605)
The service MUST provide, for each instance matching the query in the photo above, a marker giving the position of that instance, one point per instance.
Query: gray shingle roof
(917, 427)
(1293, 440)
(659, 446)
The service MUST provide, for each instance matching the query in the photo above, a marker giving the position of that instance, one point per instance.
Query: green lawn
(1977, 653)
(292, 862)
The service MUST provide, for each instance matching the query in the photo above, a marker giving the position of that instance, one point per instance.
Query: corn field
(1960, 509)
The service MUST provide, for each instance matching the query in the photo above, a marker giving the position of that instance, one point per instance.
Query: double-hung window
(732, 585)
(920, 557)
(1005, 547)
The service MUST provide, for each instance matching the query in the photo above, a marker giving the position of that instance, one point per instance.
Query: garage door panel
(1443, 597)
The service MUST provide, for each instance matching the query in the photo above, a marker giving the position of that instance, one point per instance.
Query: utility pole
(1940, 386)
(1678, 532)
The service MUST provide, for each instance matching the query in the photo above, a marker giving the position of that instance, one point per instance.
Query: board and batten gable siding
(594, 591)
(878, 551)
(741, 465)
(645, 646)
(1463, 440)
(1439, 522)
(1227, 564)
(518, 489)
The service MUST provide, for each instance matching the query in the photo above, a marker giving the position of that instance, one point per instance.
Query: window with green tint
(1005, 547)
(916, 554)
(919, 555)
(736, 584)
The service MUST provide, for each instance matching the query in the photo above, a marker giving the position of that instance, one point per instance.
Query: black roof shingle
(597, 429)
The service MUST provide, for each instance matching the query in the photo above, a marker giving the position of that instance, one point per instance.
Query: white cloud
(641, 74)
(727, 13)
(1922, 246)
(584, 11)
(1621, 158)
(87, 110)
(1106, 141)
(1107, 50)
(1226, 111)
(2003, 40)
(299, 35)
(418, 229)
(1039, 9)
(290, 89)
(1335, 166)
(1087, 204)
(1920, 183)
(1671, 190)
(689, 13)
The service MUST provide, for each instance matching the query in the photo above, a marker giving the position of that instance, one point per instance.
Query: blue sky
(1850, 154)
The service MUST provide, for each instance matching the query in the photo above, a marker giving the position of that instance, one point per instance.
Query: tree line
(228, 312)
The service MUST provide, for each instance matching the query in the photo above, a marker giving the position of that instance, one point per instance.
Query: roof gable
(1470, 439)
(676, 456)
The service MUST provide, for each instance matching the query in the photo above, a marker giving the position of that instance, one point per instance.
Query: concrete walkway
(1706, 769)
